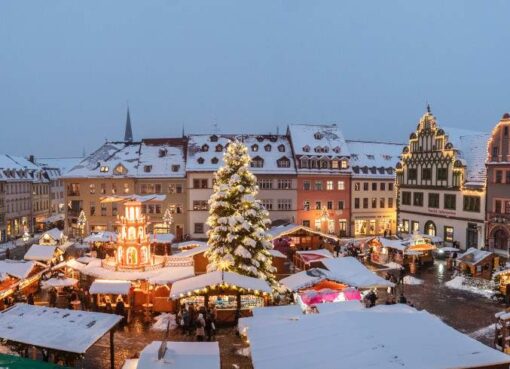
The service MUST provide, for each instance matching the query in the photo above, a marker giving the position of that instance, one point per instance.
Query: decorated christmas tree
(237, 220)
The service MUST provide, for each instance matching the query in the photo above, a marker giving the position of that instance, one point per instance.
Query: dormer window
(214, 160)
(306, 148)
(200, 160)
(213, 138)
(120, 169)
(147, 168)
(281, 148)
(260, 138)
(267, 147)
(387, 157)
(318, 136)
(344, 164)
(219, 148)
(175, 168)
(370, 157)
(354, 156)
(162, 152)
(325, 149)
(283, 162)
(205, 147)
(254, 147)
(324, 164)
(304, 162)
(337, 149)
(104, 169)
(257, 162)
(318, 149)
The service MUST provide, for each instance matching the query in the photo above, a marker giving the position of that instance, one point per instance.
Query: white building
(441, 183)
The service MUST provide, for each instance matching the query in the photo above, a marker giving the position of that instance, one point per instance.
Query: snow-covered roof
(59, 282)
(104, 286)
(205, 152)
(161, 237)
(216, 278)
(188, 244)
(40, 253)
(304, 279)
(16, 268)
(341, 306)
(181, 355)
(192, 252)
(272, 312)
(54, 233)
(62, 164)
(319, 252)
(104, 236)
(471, 148)
(58, 329)
(374, 159)
(393, 243)
(474, 255)
(350, 271)
(366, 339)
(289, 229)
(150, 158)
(277, 254)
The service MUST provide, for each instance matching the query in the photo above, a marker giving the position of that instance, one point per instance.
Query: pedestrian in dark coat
(30, 299)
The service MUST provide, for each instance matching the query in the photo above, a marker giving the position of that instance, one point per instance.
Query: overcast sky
(68, 68)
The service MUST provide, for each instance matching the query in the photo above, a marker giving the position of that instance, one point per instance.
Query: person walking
(30, 299)
(200, 327)
(53, 298)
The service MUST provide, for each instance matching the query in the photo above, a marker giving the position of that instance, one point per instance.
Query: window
(390, 202)
(433, 200)
(329, 185)
(306, 223)
(92, 208)
(265, 184)
(415, 226)
(334, 164)
(200, 205)
(374, 203)
(104, 169)
(448, 234)
(382, 202)
(147, 168)
(406, 198)
(284, 184)
(442, 174)
(418, 199)
(200, 183)
(114, 189)
(306, 205)
(257, 162)
(103, 188)
(365, 186)
(450, 202)
(306, 185)
(357, 186)
(126, 187)
(283, 163)
(281, 148)
(426, 174)
(120, 169)
(92, 188)
(205, 147)
(174, 188)
(199, 227)
(356, 203)
(390, 186)
(318, 205)
(267, 204)
(365, 203)
(342, 225)
(344, 164)
(267, 147)
(157, 188)
(507, 207)
(472, 203)
(340, 205)
(318, 185)
(374, 186)
(103, 210)
(304, 162)
(499, 176)
(412, 174)
(340, 185)
(175, 168)
(382, 186)
(284, 204)
(497, 206)
(254, 147)
(507, 178)
(329, 205)
(115, 210)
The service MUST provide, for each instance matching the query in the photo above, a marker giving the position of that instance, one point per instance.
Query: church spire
(128, 134)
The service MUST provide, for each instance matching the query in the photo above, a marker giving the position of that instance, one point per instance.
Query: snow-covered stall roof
(134, 197)
(192, 252)
(104, 236)
(341, 306)
(289, 229)
(277, 254)
(161, 237)
(474, 256)
(271, 312)
(388, 340)
(54, 233)
(216, 278)
(17, 268)
(205, 152)
(58, 329)
(350, 271)
(188, 244)
(55, 218)
(59, 283)
(41, 253)
(104, 286)
(305, 279)
(63, 164)
(374, 159)
(393, 243)
(181, 355)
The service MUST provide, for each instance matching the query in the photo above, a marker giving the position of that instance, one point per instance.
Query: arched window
(430, 228)
(131, 233)
(500, 239)
(131, 256)
(120, 254)
(144, 255)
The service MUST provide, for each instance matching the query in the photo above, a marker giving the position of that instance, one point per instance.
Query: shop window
(448, 234)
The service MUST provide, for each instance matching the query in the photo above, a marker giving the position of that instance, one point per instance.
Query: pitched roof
(374, 159)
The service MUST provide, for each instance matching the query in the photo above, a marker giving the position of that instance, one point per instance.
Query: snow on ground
(461, 283)
(410, 280)
(162, 322)
(485, 332)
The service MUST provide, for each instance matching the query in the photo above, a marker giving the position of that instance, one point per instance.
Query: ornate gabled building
(498, 188)
(441, 183)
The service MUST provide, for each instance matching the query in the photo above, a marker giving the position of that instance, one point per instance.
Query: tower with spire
(128, 133)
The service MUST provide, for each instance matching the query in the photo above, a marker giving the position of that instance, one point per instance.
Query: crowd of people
(200, 322)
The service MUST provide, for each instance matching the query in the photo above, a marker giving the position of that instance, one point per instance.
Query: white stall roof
(277, 254)
(40, 253)
(59, 329)
(181, 355)
(366, 339)
(105, 286)
(271, 312)
(289, 229)
(319, 252)
(350, 271)
(105, 236)
(304, 279)
(59, 283)
(161, 237)
(16, 268)
(192, 252)
(216, 278)
(188, 244)
(54, 233)
(341, 306)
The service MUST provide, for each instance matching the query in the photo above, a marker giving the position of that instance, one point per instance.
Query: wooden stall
(310, 259)
(477, 263)
(393, 250)
(300, 238)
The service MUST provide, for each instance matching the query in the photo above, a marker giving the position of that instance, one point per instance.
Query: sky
(68, 69)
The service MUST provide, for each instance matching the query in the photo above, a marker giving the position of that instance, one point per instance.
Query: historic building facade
(373, 192)
(498, 188)
(323, 177)
(441, 183)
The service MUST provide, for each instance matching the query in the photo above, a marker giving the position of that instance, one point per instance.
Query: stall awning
(161, 237)
(217, 278)
(104, 286)
(350, 271)
(41, 253)
(17, 268)
(58, 329)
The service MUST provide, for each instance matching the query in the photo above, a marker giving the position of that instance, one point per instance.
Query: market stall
(477, 263)
(44, 253)
(298, 237)
(310, 258)
(384, 251)
(233, 295)
(18, 276)
(106, 293)
(161, 242)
